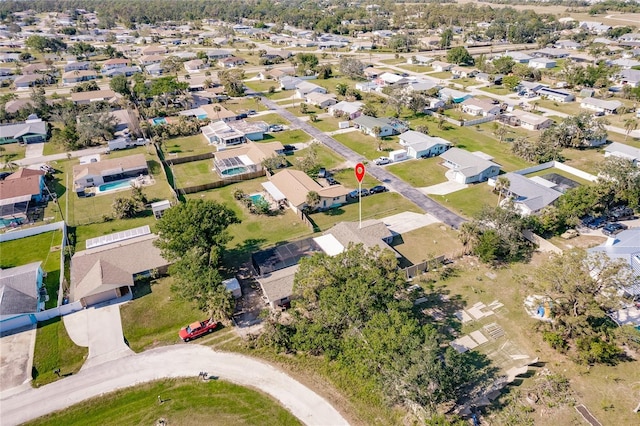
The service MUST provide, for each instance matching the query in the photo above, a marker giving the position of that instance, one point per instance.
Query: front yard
(420, 173)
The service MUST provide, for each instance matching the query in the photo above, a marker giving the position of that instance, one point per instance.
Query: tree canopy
(460, 56)
(353, 309)
(196, 223)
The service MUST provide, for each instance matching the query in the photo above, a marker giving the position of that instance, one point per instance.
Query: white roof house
(420, 145)
(222, 135)
(601, 105)
(351, 109)
(618, 149)
(466, 167)
(529, 196)
(626, 246)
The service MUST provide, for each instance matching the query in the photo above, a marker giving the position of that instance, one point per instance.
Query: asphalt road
(172, 361)
(390, 180)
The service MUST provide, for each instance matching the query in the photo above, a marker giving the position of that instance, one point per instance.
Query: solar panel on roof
(118, 236)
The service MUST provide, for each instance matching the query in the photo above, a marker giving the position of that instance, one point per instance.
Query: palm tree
(217, 109)
(502, 184)
(630, 124)
(313, 199)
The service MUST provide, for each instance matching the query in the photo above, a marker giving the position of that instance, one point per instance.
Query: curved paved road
(395, 183)
(167, 362)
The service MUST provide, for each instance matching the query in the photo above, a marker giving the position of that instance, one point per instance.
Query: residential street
(394, 183)
(185, 360)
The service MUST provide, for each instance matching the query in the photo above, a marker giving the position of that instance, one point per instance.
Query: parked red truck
(197, 329)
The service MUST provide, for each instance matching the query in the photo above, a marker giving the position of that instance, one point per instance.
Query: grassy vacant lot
(497, 90)
(420, 173)
(326, 157)
(270, 119)
(444, 75)
(469, 201)
(54, 349)
(571, 108)
(297, 110)
(609, 392)
(155, 315)
(261, 86)
(279, 95)
(347, 178)
(186, 146)
(42, 247)
(428, 242)
(239, 105)
(194, 173)
(373, 207)
(327, 124)
(366, 145)
(288, 137)
(187, 401)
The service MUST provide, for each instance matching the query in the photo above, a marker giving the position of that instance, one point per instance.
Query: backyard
(186, 146)
(45, 248)
(194, 173)
(427, 243)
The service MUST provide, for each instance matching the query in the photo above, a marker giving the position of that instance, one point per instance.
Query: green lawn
(92, 230)
(571, 108)
(243, 104)
(52, 148)
(186, 401)
(270, 119)
(288, 137)
(325, 156)
(194, 173)
(331, 83)
(444, 75)
(348, 179)
(327, 124)
(255, 231)
(55, 349)
(297, 109)
(156, 315)
(415, 68)
(262, 86)
(279, 95)
(420, 173)
(366, 145)
(497, 90)
(427, 243)
(186, 146)
(373, 207)
(42, 247)
(471, 139)
(469, 201)
(11, 152)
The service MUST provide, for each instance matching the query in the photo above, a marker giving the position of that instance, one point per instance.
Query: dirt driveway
(16, 358)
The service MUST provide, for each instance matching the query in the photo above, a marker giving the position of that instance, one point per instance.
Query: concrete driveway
(99, 329)
(171, 361)
(443, 188)
(408, 221)
(16, 358)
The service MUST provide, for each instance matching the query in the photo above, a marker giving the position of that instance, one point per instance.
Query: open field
(287, 137)
(186, 146)
(428, 242)
(469, 201)
(420, 173)
(270, 119)
(55, 349)
(327, 123)
(186, 401)
(373, 207)
(42, 247)
(366, 145)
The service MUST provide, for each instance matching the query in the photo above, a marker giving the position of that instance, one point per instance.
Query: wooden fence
(463, 123)
(220, 183)
(189, 159)
(420, 268)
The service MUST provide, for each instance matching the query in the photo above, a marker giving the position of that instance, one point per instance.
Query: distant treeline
(509, 23)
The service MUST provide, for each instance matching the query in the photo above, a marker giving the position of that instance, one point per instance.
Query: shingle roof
(18, 289)
(466, 162)
(295, 185)
(20, 129)
(279, 284)
(107, 166)
(530, 193)
(370, 235)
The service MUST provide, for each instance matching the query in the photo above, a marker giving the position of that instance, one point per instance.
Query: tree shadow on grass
(233, 258)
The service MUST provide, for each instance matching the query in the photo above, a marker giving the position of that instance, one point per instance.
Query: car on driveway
(597, 222)
(331, 181)
(288, 148)
(276, 128)
(377, 189)
(613, 228)
(354, 193)
(381, 161)
(197, 329)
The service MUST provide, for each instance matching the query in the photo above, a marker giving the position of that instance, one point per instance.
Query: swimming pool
(257, 198)
(159, 120)
(120, 184)
(203, 117)
(9, 223)
(234, 171)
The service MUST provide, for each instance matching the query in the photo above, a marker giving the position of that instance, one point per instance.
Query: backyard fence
(462, 123)
(422, 267)
(305, 219)
(181, 160)
(220, 183)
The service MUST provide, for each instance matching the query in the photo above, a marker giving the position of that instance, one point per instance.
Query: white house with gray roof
(467, 167)
(420, 145)
(366, 124)
(617, 149)
(601, 105)
(529, 196)
(625, 246)
(22, 290)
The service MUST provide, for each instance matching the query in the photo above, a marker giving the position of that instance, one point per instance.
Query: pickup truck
(197, 329)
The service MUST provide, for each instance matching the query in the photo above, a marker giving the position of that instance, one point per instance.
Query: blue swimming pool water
(7, 223)
(203, 117)
(115, 185)
(234, 171)
(255, 198)
(159, 120)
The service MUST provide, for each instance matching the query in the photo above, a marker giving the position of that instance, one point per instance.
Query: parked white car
(381, 161)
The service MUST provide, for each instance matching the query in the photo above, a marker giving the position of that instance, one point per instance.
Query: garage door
(99, 298)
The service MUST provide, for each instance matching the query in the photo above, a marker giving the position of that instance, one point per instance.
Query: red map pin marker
(360, 172)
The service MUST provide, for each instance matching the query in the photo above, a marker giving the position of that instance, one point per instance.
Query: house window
(89, 180)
